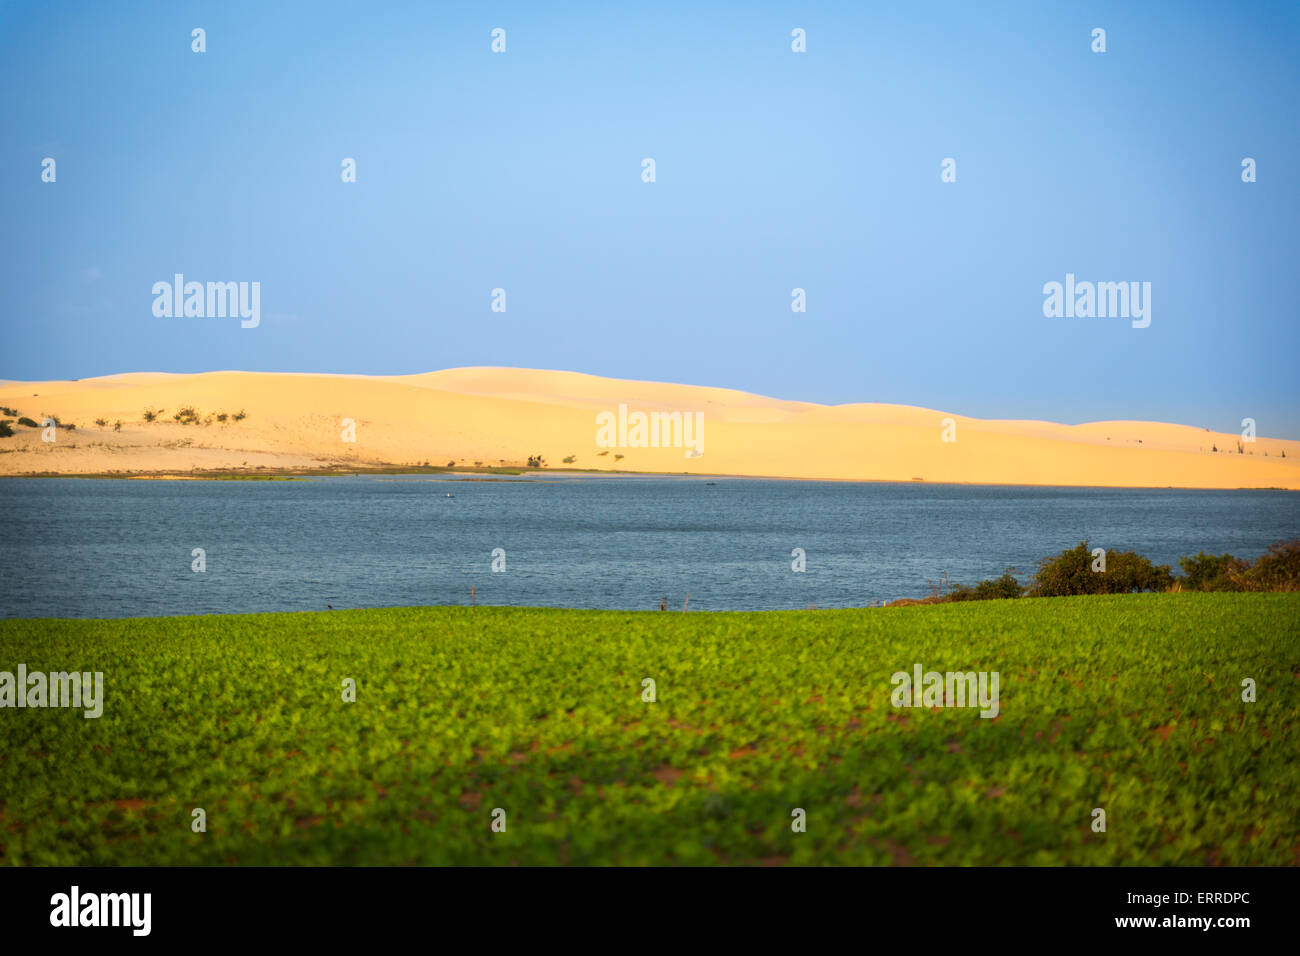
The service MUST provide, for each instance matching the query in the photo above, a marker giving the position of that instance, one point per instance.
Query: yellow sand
(496, 416)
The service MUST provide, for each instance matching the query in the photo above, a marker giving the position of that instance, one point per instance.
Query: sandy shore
(494, 416)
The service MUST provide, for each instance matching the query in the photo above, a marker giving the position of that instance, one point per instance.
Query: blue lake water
(118, 548)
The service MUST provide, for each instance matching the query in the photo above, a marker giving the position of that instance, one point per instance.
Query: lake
(117, 548)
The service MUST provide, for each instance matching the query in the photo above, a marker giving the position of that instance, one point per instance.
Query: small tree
(1070, 572)
(1208, 572)
(1278, 569)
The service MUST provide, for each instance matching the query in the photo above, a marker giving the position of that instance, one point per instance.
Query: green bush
(28, 422)
(1278, 569)
(6, 431)
(988, 590)
(1004, 587)
(1070, 572)
(1208, 572)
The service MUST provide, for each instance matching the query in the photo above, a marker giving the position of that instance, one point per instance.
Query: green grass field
(1129, 703)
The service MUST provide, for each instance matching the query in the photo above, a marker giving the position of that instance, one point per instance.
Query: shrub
(222, 416)
(5, 430)
(117, 425)
(570, 459)
(150, 415)
(536, 461)
(101, 422)
(988, 590)
(240, 415)
(1278, 569)
(1004, 587)
(1208, 572)
(187, 415)
(1070, 572)
(4, 410)
(28, 422)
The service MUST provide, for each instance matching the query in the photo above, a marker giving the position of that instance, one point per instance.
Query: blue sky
(775, 170)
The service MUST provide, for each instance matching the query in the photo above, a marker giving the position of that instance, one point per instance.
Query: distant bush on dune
(28, 422)
(5, 430)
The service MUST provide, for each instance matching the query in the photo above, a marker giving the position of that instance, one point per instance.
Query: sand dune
(496, 416)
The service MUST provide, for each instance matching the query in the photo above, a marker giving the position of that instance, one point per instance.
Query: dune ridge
(501, 416)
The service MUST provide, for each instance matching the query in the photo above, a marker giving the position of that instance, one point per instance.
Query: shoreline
(531, 475)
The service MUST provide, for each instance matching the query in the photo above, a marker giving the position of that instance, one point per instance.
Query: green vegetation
(28, 423)
(1073, 571)
(1130, 703)
(1078, 570)
(6, 429)
(190, 415)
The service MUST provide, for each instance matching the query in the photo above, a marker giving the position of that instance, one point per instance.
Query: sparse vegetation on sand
(190, 415)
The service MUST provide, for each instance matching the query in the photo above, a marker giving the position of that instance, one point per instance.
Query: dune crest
(502, 416)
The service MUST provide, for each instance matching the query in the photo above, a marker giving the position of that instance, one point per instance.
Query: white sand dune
(496, 416)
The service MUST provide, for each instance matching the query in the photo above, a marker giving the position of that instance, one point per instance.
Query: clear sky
(774, 170)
